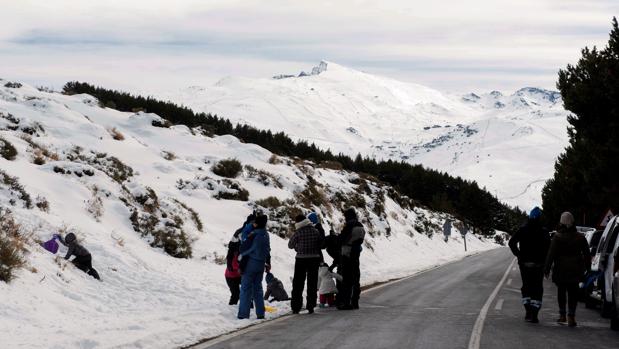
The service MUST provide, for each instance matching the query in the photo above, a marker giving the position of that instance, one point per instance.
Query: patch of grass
(264, 177)
(229, 168)
(7, 150)
(42, 204)
(312, 195)
(194, 215)
(275, 160)
(11, 84)
(14, 185)
(269, 202)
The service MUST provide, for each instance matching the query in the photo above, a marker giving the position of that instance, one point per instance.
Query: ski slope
(508, 143)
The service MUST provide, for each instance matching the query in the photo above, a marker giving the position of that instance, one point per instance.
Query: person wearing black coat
(83, 258)
(570, 259)
(530, 245)
(351, 240)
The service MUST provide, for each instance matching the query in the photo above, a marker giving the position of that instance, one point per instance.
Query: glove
(267, 268)
(240, 257)
(56, 236)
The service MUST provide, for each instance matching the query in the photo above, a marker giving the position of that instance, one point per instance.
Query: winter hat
(269, 278)
(350, 214)
(535, 213)
(261, 221)
(70, 238)
(313, 217)
(299, 218)
(567, 219)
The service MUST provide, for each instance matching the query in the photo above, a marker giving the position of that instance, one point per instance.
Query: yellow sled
(269, 309)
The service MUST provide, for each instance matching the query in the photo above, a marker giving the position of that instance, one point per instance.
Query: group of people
(249, 258)
(566, 255)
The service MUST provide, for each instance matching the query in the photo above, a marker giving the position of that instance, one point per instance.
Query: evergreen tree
(585, 180)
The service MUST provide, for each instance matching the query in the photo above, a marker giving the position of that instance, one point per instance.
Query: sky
(157, 45)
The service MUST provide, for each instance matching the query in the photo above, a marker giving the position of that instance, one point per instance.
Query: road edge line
(475, 340)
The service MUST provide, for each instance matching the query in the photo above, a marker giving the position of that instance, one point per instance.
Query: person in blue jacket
(258, 260)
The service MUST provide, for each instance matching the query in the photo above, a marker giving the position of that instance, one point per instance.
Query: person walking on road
(351, 240)
(307, 241)
(569, 258)
(258, 257)
(530, 245)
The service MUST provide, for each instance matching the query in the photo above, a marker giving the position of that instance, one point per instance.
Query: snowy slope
(507, 143)
(92, 183)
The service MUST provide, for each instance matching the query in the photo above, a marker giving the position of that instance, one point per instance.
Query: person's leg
(330, 299)
(258, 292)
(323, 300)
(356, 285)
(298, 283)
(536, 289)
(312, 282)
(345, 292)
(525, 291)
(81, 263)
(572, 298)
(245, 296)
(234, 286)
(561, 298)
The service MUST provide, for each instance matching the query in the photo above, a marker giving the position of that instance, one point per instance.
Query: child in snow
(233, 272)
(275, 289)
(326, 285)
(83, 258)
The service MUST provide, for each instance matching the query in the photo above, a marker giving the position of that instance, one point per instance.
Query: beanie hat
(261, 222)
(535, 213)
(350, 214)
(269, 277)
(299, 218)
(313, 217)
(70, 238)
(567, 219)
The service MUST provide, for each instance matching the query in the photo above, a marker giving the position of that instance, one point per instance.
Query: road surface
(473, 303)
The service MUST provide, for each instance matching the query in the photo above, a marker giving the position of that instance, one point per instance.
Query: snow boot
(534, 319)
(571, 321)
(528, 313)
(561, 319)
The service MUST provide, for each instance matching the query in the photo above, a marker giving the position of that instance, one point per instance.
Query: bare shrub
(116, 134)
(38, 158)
(269, 202)
(41, 203)
(194, 215)
(7, 150)
(94, 205)
(11, 247)
(168, 155)
(274, 160)
(229, 168)
(15, 186)
(264, 177)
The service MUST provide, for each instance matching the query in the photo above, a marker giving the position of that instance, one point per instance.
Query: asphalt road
(437, 309)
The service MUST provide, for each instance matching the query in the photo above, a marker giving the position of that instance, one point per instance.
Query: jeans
(251, 288)
(305, 267)
(571, 290)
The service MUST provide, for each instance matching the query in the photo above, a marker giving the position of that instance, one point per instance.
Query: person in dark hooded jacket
(275, 289)
(530, 245)
(351, 241)
(83, 258)
(570, 259)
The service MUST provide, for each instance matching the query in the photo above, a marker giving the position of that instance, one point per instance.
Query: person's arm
(550, 258)
(267, 294)
(250, 249)
(292, 243)
(337, 276)
(70, 251)
(513, 243)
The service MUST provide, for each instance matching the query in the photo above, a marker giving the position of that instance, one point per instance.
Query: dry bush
(229, 168)
(331, 165)
(116, 134)
(41, 203)
(38, 158)
(11, 247)
(168, 155)
(94, 205)
(274, 160)
(269, 202)
(7, 150)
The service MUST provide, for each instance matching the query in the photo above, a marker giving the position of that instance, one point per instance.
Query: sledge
(269, 309)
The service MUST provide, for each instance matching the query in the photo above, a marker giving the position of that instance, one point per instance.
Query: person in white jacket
(326, 285)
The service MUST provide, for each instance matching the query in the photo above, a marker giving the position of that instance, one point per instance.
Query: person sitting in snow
(326, 285)
(83, 258)
(275, 289)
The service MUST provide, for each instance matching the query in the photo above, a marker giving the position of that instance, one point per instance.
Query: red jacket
(235, 272)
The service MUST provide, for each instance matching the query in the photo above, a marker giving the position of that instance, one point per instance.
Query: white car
(603, 263)
(614, 319)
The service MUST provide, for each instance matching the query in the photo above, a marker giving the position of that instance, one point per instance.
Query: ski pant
(251, 288)
(327, 298)
(84, 263)
(532, 286)
(234, 284)
(350, 287)
(305, 267)
(567, 292)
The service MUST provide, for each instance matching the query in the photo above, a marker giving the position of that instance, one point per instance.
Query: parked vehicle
(593, 238)
(614, 320)
(603, 265)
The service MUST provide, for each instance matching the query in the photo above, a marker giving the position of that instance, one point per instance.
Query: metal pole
(464, 237)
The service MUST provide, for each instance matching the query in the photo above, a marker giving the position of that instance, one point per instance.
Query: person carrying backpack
(530, 245)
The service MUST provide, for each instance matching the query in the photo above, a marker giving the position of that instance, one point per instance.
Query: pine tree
(585, 180)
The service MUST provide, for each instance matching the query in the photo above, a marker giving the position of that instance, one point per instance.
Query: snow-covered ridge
(119, 180)
(510, 146)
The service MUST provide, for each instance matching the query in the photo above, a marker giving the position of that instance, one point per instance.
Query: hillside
(144, 198)
(507, 143)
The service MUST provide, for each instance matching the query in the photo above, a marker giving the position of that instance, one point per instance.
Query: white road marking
(509, 282)
(499, 304)
(475, 340)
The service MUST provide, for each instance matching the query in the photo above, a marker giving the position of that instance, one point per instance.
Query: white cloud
(453, 45)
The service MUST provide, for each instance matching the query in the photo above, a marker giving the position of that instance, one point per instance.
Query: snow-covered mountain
(508, 143)
(136, 191)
